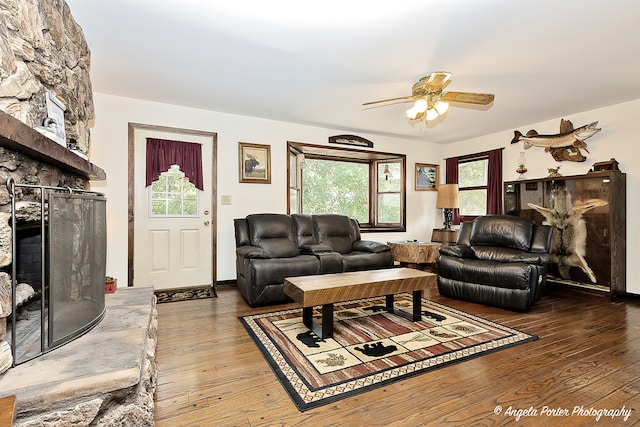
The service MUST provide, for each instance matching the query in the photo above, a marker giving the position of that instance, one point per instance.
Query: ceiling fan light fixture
(421, 105)
(412, 113)
(432, 114)
(441, 107)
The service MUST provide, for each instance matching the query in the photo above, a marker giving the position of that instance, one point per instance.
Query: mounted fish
(565, 145)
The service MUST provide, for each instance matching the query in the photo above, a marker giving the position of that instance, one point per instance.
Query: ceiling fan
(429, 100)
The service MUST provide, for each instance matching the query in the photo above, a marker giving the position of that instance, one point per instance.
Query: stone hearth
(105, 377)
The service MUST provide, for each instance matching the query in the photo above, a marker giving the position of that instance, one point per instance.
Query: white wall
(618, 139)
(109, 141)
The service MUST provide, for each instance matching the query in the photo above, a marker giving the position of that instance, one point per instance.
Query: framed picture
(55, 111)
(427, 177)
(254, 161)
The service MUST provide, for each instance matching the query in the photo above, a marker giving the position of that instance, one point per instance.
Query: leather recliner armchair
(498, 260)
(270, 247)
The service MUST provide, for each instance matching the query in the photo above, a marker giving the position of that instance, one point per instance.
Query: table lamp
(447, 200)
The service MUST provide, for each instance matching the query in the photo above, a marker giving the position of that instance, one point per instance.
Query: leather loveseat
(270, 247)
(498, 260)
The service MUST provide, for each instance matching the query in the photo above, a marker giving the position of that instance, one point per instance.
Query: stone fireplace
(43, 54)
(107, 375)
(31, 162)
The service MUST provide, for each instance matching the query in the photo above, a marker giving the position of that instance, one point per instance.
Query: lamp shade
(447, 196)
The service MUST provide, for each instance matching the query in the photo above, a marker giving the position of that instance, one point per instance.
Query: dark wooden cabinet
(588, 213)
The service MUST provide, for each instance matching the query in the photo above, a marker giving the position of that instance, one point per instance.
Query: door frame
(132, 127)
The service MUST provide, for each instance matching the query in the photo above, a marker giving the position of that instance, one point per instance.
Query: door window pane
(173, 195)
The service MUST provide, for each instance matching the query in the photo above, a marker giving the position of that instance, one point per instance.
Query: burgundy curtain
(162, 153)
(451, 177)
(494, 183)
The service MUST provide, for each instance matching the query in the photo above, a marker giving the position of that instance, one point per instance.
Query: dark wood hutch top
(17, 136)
(588, 175)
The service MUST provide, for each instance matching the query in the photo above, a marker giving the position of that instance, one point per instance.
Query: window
(365, 185)
(476, 175)
(173, 195)
(472, 185)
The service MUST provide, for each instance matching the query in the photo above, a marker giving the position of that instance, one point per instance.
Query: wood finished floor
(211, 374)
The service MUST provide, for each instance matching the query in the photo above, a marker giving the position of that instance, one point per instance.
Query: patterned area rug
(370, 347)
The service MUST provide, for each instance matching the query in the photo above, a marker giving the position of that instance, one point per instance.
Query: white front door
(172, 233)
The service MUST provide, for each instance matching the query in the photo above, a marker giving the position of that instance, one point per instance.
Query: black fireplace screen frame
(73, 245)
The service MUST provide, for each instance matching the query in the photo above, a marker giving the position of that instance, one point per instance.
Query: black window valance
(162, 153)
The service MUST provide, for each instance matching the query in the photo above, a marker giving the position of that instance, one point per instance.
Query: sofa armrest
(252, 252)
(315, 249)
(509, 255)
(458, 251)
(370, 246)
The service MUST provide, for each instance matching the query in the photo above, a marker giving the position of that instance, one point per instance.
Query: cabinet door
(579, 211)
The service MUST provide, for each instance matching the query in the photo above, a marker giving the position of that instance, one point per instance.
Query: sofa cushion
(458, 251)
(241, 231)
(266, 272)
(355, 230)
(370, 246)
(335, 231)
(252, 252)
(356, 261)
(274, 233)
(304, 229)
(506, 231)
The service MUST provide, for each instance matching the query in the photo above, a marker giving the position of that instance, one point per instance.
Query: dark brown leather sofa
(270, 247)
(498, 260)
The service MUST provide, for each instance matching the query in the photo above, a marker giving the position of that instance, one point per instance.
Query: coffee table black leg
(327, 321)
(417, 305)
(307, 317)
(325, 330)
(416, 315)
(389, 305)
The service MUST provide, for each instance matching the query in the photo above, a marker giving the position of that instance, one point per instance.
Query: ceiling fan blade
(401, 98)
(468, 97)
(438, 80)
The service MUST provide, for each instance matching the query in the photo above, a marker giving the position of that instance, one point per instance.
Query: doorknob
(206, 223)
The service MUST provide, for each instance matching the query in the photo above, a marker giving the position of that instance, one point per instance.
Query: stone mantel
(17, 136)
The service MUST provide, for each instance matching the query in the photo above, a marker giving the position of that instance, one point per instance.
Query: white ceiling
(315, 63)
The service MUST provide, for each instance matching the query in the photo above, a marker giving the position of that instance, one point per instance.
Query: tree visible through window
(364, 185)
(336, 187)
(173, 195)
(472, 184)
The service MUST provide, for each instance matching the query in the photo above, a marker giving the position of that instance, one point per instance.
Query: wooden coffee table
(326, 289)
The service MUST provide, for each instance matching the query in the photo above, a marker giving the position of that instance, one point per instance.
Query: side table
(415, 254)
(446, 237)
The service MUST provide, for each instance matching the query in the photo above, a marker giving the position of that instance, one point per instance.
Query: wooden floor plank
(210, 373)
